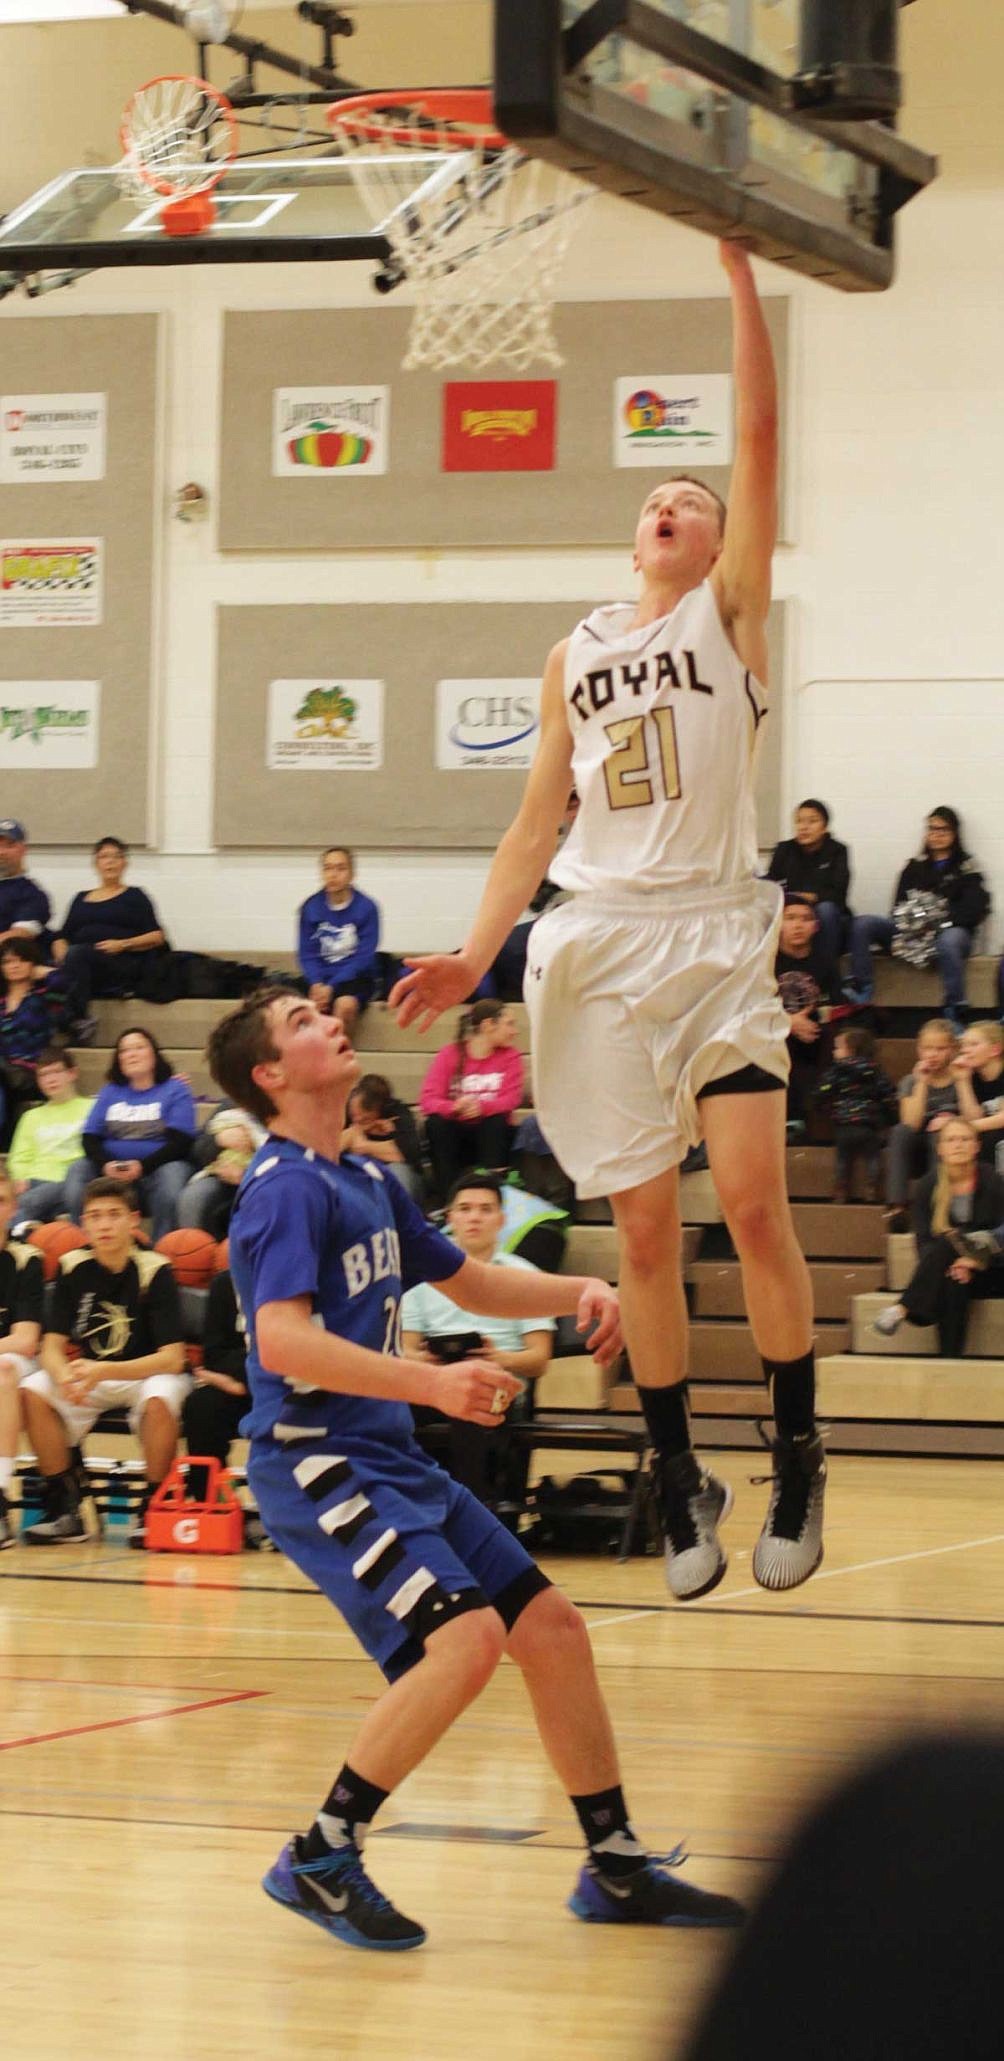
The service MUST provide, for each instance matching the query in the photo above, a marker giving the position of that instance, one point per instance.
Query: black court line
(797, 1616)
(461, 1835)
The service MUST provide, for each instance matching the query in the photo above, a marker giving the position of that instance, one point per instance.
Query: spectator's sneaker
(859, 998)
(66, 1529)
(85, 1488)
(692, 1504)
(790, 1546)
(888, 1321)
(650, 1896)
(795, 1130)
(982, 1247)
(137, 1529)
(337, 1894)
(7, 1533)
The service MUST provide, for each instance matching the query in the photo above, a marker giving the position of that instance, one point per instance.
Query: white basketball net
(179, 138)
(480, 239)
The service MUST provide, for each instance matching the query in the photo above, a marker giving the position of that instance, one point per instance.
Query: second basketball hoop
(178, 136)
(476, 229)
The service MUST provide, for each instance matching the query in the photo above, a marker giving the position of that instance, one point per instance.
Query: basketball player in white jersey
(653, 1005)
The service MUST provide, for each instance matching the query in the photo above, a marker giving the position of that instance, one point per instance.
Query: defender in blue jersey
(321, 1248)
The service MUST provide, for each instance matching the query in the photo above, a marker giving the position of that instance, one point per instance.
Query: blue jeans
(952, 949)
(832, 922)
(158, 1192)
(41, 1201)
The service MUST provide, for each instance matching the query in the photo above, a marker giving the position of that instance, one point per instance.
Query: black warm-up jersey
(117, 1316)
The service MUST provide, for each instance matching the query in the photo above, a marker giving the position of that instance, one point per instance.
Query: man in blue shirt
(321, 1248)
(24, 906)
(339, 936)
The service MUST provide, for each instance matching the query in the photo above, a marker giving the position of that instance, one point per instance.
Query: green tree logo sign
(326, 712)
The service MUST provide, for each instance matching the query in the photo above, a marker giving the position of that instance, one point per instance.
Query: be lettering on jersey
(597, 690)
(376, 1259)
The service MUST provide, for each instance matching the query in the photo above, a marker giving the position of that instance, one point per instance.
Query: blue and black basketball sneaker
(648, 1896)
(336, 1893)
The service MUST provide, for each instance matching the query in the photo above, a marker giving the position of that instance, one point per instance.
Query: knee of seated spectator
(470, 1647)
(156, 1416)
(548, 1633)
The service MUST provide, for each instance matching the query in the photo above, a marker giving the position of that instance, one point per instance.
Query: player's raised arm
(439, 980)
(742, 576)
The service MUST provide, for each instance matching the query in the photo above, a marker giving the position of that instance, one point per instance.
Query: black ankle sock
(792, 1385)
(668, 1418)
(607, 1831)
(352, 1803)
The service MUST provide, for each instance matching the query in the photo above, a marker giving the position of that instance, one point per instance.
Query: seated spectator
(21, 1291)
(469, 1095)
(213, 1409)
(222, 1151)
(435, 1329)
(925, 932)
(814, 866)
(979, 1073)
(48, 1139)
(139, 1132)
(533, 1228)
(808, 981)
(115, 1341)
(960, 1196)
(928, 1096)
(112, 933)
(862, 1102)
(537, 1167)
(508, 970)
(382, 1127)
(24, 906)
(339, 937)
(32, 1011)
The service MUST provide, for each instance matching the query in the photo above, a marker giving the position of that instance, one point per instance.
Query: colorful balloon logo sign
(661, 418)
(324, 445)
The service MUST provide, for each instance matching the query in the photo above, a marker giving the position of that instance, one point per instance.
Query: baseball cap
(12, 832)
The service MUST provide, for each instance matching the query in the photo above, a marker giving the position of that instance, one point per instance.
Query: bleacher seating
(879, 1394)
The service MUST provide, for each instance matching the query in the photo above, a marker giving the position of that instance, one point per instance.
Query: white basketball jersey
(664, 722)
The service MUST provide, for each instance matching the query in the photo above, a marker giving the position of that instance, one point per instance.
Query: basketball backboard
(266, 209)
(693, 108)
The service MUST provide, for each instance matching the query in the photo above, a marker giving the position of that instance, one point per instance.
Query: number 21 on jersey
(639, 744)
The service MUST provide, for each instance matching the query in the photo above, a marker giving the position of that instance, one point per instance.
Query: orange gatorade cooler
(213, 1525)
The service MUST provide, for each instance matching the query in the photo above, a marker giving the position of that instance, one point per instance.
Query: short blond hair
(938, 1027)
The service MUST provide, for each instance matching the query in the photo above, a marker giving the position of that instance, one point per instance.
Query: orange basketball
(52, 1241)
(192, 1255)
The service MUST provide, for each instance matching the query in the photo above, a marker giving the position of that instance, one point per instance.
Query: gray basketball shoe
(692, 1504)
(790, 1546)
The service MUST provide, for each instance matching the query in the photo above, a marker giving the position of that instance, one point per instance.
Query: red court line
(144, 1717)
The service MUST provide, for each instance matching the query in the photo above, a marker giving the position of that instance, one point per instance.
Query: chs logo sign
(486, 725)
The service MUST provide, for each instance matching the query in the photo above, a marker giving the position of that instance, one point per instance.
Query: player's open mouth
(665, 529)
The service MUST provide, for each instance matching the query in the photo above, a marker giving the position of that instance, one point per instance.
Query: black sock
(792, 1385)
(607, 1831)
(668, 1418)
(345, 1812)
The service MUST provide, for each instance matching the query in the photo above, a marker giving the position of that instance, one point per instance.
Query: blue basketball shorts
(396, 1545)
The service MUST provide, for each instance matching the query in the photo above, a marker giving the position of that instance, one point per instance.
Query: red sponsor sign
(499, 425)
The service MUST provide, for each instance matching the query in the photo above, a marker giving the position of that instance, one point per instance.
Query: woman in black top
(944, 868)
(962, 1195)
(110, 932)
(817, 867)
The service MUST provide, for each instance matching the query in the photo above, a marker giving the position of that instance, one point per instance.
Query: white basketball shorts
(635, 1006)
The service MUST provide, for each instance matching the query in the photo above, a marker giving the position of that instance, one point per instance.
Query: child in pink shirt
(470, 1094)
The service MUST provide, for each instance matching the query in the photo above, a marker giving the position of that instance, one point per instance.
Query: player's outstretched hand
(475, 1391)
(598, 1305)
(437, 981)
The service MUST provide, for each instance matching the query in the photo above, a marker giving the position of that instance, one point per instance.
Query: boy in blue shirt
(339, 936)
(321, 1248)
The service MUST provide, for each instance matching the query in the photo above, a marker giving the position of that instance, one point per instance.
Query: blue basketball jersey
(352, 1240)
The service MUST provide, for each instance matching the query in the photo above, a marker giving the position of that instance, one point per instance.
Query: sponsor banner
(52, 436)
(50, 581)
(499, 425)
(325, 726)
(330, 432)
(672, 419)
(486, 726)
(49, 724)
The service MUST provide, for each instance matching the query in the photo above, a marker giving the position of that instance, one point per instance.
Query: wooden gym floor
(166, 1722)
